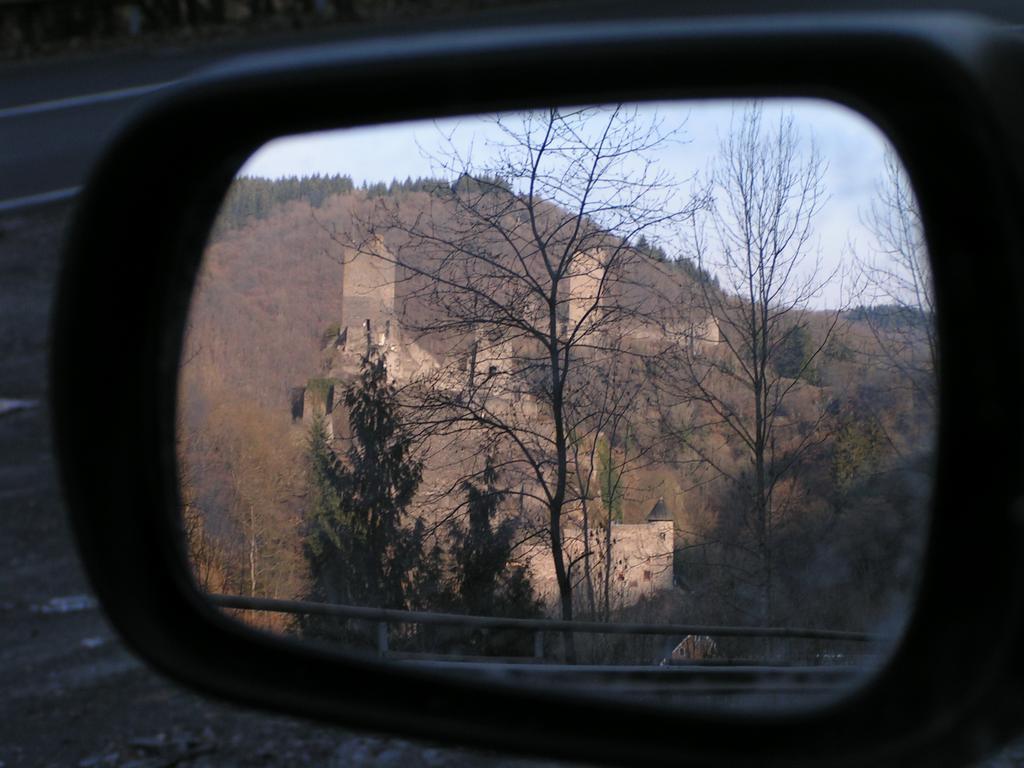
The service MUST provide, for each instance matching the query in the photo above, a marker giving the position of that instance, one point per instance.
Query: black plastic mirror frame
(943, 89)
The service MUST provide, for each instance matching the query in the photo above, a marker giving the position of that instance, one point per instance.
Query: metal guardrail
(539, 627)
(664, 682)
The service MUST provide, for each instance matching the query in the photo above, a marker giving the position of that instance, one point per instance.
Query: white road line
(84, 100)
(10, 406)
(17, 203)
(66, 604)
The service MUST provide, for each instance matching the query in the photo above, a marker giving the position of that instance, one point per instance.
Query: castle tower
(660, 546)
(368, 293)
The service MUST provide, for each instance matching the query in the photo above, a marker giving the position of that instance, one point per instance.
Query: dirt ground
(71, 694)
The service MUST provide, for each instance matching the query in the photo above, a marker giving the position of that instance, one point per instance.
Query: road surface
(55, 116)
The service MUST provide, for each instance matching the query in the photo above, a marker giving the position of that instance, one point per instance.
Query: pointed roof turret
(659, 512)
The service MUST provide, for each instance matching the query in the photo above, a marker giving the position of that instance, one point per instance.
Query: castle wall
(642, 558)
(641, 561)
(318, 402)
(641, 564)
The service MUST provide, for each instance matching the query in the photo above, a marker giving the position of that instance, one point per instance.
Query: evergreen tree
(253, 197)
(359, 549)
(794, 354)
(486, 583)
(695, 272)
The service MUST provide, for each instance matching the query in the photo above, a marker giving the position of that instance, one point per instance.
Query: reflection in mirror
(638, 398)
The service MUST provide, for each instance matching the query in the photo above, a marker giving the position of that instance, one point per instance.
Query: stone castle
(637, 557)
(639, 565)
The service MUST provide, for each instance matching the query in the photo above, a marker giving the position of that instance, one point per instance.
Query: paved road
(55, 116)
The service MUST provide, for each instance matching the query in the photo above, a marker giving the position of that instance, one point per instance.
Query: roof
(659, 512)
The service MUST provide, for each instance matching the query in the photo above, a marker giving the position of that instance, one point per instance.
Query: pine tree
(359, 549)
(486, 583)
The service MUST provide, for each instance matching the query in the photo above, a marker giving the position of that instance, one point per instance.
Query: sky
(851, 145)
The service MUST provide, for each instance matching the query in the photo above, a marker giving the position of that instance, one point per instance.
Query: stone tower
(642, 555)
(662, 542)
(368, 293)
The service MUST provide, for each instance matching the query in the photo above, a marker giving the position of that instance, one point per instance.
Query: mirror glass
(640, 398)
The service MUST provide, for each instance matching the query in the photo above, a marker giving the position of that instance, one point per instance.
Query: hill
(295, 268)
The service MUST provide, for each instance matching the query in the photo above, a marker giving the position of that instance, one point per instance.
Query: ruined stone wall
(654, 296)
(318, 401)
(641, 564)
(642, 557)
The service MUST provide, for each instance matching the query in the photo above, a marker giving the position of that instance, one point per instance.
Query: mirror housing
(946, 91)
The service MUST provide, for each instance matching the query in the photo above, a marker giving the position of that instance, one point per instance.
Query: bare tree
(898, 283)
(205, 554)
(751, 387)
(613, 439)
(524, 280)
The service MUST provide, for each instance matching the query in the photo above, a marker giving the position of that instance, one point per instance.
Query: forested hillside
(791, 444)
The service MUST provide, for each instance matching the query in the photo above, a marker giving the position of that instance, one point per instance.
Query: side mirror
(471, 423)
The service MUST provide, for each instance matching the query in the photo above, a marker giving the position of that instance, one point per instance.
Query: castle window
(647, 575)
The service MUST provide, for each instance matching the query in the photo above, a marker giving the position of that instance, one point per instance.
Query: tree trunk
(562, 578)
(252, 551)
(587, 572)
(608, 567)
